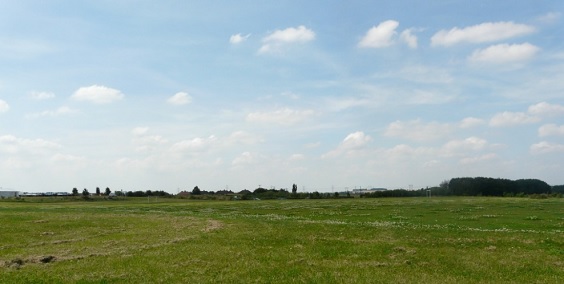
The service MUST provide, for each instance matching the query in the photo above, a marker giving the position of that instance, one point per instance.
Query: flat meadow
(360, 240)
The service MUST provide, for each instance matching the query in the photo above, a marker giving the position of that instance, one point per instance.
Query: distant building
(365, 190)
(6, 194)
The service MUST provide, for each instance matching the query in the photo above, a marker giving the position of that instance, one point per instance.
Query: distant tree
(98, 191)
(74, 191)
(260, 190)
(85, 193)
(196, 190)
(108, 191)
(294, 188)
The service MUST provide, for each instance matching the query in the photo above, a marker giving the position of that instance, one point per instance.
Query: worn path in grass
(408, 240)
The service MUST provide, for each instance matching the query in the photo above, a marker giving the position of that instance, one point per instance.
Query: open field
(408, 240)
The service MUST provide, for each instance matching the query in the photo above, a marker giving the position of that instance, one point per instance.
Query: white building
(6, 194)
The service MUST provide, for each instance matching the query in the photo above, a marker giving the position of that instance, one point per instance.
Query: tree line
(477, 186)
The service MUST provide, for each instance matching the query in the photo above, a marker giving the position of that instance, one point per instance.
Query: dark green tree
(98, 191)
(75, 191)
(108, 191)
(294, 188)
(196, 190)
(85, 193)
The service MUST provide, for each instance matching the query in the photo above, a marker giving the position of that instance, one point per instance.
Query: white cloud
(512, 118)
(409, 38)
(546, 147)
(42, 95)
(456, 147)
(238, 38)
(352, 144)
(64, 110)
(380, 36)
(481, 158)
(193, 145)
(244, 159)
(279, 38)
(417, 130)
(67, 158)
(504, 53)
(12, 145)
(97, 94)
(485, 32)
(283, 116)
(546, 109)
(242, 137)
(471, 122)
(551, 130)
(138, 131)
(4, 107)
(550, 17)
(180, 98)
(426, 97)
(296, 157)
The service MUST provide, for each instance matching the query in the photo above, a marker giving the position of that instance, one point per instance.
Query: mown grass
(409, 240)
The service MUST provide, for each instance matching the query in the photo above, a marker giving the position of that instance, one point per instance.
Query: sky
(329, 95)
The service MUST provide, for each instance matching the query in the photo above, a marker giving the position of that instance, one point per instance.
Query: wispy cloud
(507, 118)
(546, 148)
(504, 53)
(42, 95)
(278, 39)
(417, 130)
(485, 32)
(64, 110)
(285, 116)
(180, 98)
(238, 38)
(4, 107)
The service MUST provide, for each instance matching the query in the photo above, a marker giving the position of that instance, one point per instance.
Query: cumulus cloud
(534, 114)
(97, 94)
(353, 143)
(180, 98)
(380, 36)
(512, 118)
(4, 107)
(238, 38)
(417, 130)
(546, 109)
(546, 147)
(283, 116)
(409, 38)
(504, 53)
(42, 95)
(455, 147)
(551, 130)
(277, 39)
(485, 32)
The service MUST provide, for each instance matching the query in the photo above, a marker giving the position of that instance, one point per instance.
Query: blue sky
(167, 95)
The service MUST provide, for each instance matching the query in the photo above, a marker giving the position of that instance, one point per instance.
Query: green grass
(408, 240)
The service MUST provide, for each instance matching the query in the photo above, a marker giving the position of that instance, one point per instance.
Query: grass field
(408, 240)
